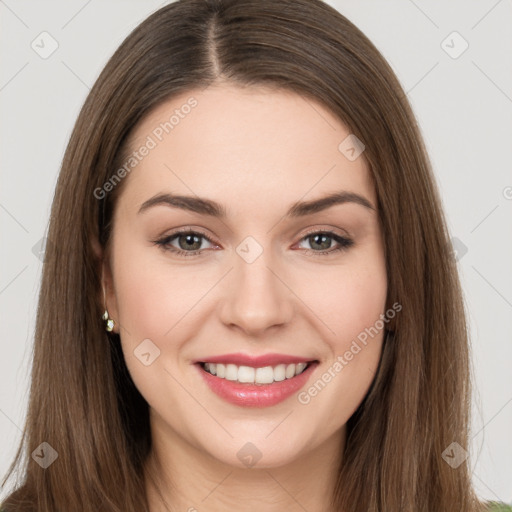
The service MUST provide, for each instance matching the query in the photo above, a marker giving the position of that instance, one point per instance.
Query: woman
(250, 284)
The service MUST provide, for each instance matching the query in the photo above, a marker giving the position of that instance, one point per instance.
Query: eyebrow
(211, 208)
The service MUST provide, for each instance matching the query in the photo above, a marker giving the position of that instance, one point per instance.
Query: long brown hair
(83, 402)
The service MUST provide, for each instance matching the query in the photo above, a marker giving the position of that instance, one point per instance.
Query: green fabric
(499, 507)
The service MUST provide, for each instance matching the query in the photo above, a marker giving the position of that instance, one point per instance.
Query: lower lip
(256, 395)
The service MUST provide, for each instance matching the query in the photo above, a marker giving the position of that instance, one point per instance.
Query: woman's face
(281, 274)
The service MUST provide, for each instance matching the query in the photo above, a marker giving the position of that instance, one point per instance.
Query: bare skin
(256, 152)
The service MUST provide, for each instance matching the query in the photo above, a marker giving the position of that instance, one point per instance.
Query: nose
(257, 297)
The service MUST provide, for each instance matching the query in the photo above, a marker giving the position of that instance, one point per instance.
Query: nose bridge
(256, 298)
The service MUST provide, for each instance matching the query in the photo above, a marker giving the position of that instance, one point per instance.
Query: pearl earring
(110, 323)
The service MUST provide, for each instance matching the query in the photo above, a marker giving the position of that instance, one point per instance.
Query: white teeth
(221, 370)
(290, 371)
(300, 368)
(280, 372)
(246, 374)
(264, 375)
(231, 372)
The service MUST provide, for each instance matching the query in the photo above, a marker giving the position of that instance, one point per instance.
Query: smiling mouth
(260, 376)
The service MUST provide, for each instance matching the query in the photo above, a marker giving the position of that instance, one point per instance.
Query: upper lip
(255, 361)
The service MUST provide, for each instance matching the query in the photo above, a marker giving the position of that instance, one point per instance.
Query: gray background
(464, 106)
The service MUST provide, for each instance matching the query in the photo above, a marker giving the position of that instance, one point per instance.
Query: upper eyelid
(332, 230)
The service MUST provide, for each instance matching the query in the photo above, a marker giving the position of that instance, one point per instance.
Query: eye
(189, 242)
(323, 240)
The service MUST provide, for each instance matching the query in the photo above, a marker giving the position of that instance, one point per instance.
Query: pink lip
(255, 361)
(256, 395)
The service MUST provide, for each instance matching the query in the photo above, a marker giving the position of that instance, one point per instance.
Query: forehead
(237, 144)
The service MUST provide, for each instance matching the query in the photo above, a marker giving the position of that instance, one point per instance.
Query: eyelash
(344, 242)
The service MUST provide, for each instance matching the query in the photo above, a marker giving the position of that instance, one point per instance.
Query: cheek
(349, 299)
(359, 301)
(153, 295)
(353, 310)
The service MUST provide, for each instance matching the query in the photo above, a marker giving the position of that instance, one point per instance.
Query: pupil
(324, 237)
(190, 241)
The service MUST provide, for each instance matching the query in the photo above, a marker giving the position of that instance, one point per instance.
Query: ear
(107, 296)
